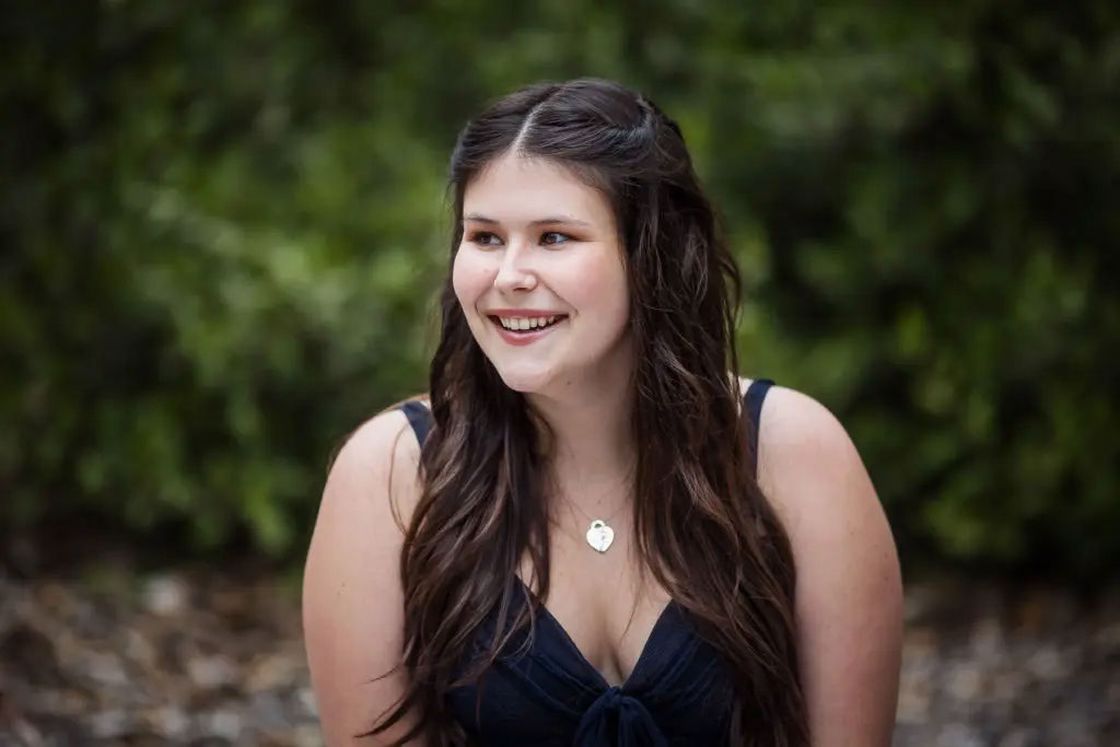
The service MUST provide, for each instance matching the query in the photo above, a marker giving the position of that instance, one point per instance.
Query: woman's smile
(525, 331)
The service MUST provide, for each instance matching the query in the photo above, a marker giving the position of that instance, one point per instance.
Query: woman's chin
(526, 381)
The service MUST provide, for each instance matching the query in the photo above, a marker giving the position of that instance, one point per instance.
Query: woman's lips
(526, 337)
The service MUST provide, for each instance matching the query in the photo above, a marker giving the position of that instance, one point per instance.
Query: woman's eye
(554, 237)
(485, 238)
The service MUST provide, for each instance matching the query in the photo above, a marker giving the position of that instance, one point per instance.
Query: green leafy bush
(225, 226)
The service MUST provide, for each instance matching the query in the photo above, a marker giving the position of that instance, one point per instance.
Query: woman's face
(539, 243)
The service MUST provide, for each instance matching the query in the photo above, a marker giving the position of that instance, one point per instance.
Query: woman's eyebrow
(550, 221)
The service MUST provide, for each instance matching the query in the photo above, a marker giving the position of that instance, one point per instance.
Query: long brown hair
(704, 528)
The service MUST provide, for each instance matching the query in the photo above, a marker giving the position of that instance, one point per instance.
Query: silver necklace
(600, 534)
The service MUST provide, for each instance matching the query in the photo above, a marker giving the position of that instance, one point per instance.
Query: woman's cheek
(466, 279)
(598, 284)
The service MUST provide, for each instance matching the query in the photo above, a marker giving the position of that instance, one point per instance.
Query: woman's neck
(591, 443)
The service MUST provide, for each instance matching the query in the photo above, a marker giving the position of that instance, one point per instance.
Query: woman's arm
(352, 601)
(849, 588)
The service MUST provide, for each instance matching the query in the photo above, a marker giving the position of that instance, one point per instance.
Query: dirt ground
(107, 654)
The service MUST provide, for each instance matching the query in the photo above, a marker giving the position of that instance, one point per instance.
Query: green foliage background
(224, 224)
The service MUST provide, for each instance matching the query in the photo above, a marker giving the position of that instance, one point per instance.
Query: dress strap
(752, 409)
(419, 417)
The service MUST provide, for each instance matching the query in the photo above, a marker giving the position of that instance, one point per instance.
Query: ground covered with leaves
(109, 654)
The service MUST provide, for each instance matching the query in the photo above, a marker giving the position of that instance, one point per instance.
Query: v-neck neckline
(639, 664)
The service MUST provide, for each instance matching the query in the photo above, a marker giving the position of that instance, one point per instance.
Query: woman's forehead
(518, 189)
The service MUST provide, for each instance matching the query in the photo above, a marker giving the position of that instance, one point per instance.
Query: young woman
(593, 532)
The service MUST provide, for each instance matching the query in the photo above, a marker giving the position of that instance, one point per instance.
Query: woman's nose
(514, 273)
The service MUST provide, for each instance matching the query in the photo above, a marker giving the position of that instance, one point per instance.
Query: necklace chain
(600, 534)
(614, 513)
(589, 517)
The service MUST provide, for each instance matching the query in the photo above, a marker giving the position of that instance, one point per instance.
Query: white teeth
(524, 323)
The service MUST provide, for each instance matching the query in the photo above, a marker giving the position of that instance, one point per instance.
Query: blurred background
(223, 224)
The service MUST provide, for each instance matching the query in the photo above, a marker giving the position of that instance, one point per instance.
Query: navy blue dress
(680, 692)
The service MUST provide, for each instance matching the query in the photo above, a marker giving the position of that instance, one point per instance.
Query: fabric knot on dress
(616, 719)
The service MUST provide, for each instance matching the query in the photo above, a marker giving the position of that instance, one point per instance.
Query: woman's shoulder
(799, 432)
(849, 584)
(812, 473)
(793, 426)
(379, 462)
(387, 437)
(352, 596)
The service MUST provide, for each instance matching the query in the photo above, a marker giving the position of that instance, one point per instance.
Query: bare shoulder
(849, 588)
(382, 454)
(799, 438)
(813, 474)
(352, 599)
(811, 471)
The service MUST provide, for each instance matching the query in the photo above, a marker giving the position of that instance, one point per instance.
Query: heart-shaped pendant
(600, 536)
